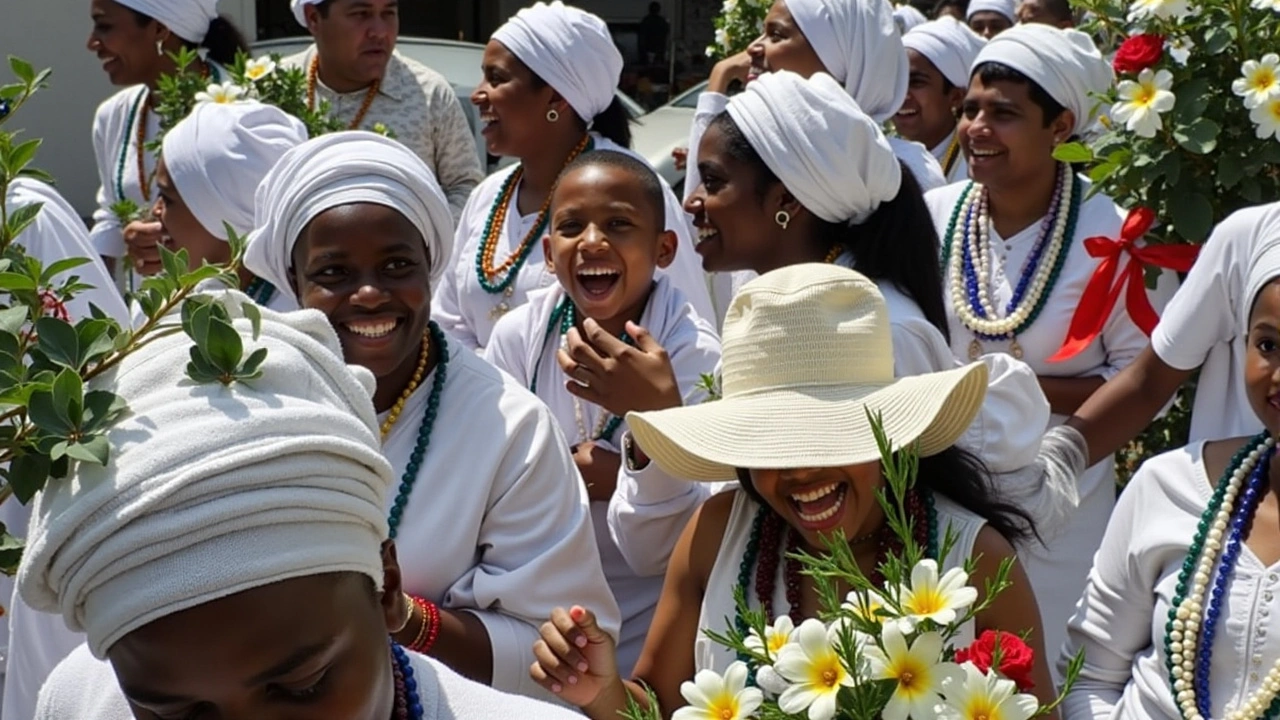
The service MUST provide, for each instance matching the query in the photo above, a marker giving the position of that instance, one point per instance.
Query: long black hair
(897, 244)
(614, 123)
(961, 477)
(223, 40)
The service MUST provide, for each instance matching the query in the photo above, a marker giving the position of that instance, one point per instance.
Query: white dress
(497, 523)
(1058, 572)
(1203, 326)
(718, 602)
(84, 688)
(467, 311)
(522, 346)
(1120, 623)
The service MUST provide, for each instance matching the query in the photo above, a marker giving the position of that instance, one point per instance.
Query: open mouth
(705, 234)
(904, 112)
(1274, 401)
(598, 282)
(819, 508)
(983, 153)
(372, 329)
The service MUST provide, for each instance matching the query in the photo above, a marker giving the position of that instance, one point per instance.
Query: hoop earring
(783, 218)
(553, 116)
(160, 48)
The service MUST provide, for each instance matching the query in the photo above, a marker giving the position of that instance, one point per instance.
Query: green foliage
(738, 24)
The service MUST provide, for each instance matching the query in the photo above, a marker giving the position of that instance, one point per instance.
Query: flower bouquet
(885, 651)
(739, 23)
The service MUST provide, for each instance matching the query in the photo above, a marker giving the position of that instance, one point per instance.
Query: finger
(555, 667)
(544, 679)
(581, 374)
(569, 627)
(561, 646)
(586, 621)
(584, 392)
(604, 343)
(644, 340)
(580, 349)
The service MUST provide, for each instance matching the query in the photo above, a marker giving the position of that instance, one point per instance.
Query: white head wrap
(819, 143)
(907, 17)
(299, 10)
(188, 19)
(859, 43)
(341, 169)
(949, 44)
(212, 490)
(570, 49)
(1007, 8)
(1264, 264)
(1065, 63)
(219, 153)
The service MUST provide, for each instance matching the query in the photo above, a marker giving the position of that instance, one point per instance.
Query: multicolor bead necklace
(260, 291)
(410, 476)
(408, 704)
(313, 75)
(423, 356)
(564, 317)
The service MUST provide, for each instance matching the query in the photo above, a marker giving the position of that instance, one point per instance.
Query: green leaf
(61, 266)
(1199, 137)
(91, 450)
(1100, 172)
(200, 369)
(68, 397)
(44, 413)
(1217, 38)
(1170, 167)
(175, 264)
(252, 368)
(12, 319)
(38, 174)
(9, 92)
(28, 474)
(10, 552)
(224, 347)
(1192, 100)
(95, 339)
(1230, 170)
(1192, 216)
(59, 342)
(22, 155)
(254, 315)
(22, 69)
(101, 408)
(1073, 152)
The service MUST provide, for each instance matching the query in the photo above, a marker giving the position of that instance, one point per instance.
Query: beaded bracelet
(430, 629)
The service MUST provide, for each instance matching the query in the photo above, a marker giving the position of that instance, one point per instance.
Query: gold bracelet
(408, 614)
(423, 631)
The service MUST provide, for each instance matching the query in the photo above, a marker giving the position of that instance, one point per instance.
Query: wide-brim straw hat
(807, 355)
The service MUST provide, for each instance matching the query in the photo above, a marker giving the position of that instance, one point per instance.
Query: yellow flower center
(906, 678)
(1264, 79)
(1146, 95)
(256, 73)
(1273, 108)
(725, 707)
(912, 676)
(925, 602)
(830, 678)
(777, 641)
(981, 708)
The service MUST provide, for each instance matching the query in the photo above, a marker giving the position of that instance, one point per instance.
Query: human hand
(144, 238)
(616, 376)
(735, 67)
(575, 659)
(599, 469)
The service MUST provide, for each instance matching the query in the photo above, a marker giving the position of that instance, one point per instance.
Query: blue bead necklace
(410, 476)
(408, 704)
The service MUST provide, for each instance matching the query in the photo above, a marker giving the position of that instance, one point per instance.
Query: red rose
(1138, 53)
(1015, 657)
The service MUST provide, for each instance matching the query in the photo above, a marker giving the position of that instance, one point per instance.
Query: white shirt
(959, 167)
(467, 311)
(1203, 326)
(522, 346)
(1120, 624)
(1058, 572)
(85, 688)
(498, 522)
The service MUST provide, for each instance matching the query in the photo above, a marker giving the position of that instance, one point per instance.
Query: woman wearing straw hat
(793, 428)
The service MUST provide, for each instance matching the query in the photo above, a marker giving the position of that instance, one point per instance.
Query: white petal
(797, 698)
(898, 707)
(751, 699)
(709, 683)
(735, 677)
(823, 708)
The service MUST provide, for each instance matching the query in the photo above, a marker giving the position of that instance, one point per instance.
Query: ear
(546, 254)
(1063, 126)
(391, 598)
(955, 99)
(559, 104)
(312, 15)
(668, 244)
(789, 203)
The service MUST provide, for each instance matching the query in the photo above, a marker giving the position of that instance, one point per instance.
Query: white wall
(53, 34)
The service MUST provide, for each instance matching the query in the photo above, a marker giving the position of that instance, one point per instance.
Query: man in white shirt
(354, 67)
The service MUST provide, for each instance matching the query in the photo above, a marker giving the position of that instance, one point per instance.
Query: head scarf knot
(949, 44)
(188, 19)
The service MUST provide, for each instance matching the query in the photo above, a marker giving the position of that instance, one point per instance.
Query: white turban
(342, 169)
(1264, 264)
(949, 44)
(299, 11)
(1065, 63)
(570, 49)
(908, 17)
(1006, 8)
(218, 154)
(859, 44)
(212, 490)
(188, 19)
(819, 143)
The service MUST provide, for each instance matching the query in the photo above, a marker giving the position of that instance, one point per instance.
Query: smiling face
(928, 114)
(818, 502)
(782, 46)
(310, 647)
(1004, 135)
(354, 39)
(512, 105)
(365, 266)
(1262, 358)
(607, 238)
(181, 226)
(125, 47)
(989, 23)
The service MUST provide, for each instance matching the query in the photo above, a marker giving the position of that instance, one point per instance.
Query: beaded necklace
(833, 255)
(764, 548)
(394, 415)
(410, 476)
(136, 126)
(952, 154)
(260, 291)
(313, 75)
(967, 255)
(408, 704)
(486, 272)
(1188, 642)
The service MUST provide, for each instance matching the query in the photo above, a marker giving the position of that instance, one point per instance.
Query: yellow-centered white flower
(917, 668)
(1162, 9)
(974, 695)
(776, 636)
(1273, 5)
(932, 598)
(259, 68)
(1259, 81)
(221, 93)
(1266, 118)
(712, 697)
(1143, 100)
(814, 669)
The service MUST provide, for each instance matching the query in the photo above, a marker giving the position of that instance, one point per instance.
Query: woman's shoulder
(480, 202)
(114, 111)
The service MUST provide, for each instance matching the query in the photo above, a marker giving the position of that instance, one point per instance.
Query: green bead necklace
(410, 476)
(564, 317)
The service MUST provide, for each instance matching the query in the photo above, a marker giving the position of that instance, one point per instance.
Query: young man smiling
(353, 66)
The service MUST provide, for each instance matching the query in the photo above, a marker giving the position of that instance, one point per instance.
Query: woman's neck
(1020, 205)
(541, 169)
(392, 386)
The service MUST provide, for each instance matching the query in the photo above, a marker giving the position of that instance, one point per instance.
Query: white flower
(869, 606)
(223, 94)
(974, 695)
(728, 7)
(770, 681)
(1142, 101)
(712, 697)
(918, 669)
(1267, 118)
(1179, 48)
(257, 69)
(1260, 81)
(929, 598)
(815, 670)
(775, 637)
(1162, 9)
(722, 38)
(1266, 5)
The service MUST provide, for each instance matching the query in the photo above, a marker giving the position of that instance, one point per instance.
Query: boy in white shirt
(606, 241)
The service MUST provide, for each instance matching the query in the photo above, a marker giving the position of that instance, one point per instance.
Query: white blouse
(497, 523)
(1203, 326)
(1120, 624)
(521, 346)
(959, 168)
(469, 312)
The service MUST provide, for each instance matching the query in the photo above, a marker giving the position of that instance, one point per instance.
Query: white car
(658, 133)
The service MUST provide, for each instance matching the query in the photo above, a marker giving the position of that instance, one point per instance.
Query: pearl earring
(783, 218)
(553, 116)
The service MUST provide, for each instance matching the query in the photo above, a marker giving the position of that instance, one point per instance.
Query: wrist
(632, 456)
(428, 627)
(610, 703)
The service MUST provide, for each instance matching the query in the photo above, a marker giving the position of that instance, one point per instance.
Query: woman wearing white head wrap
(989, 18)
(907, 17)
(134, 40)
(490, 515)
(248, 521)
(1026, 218)
(548, 94)
(1139, 579)
(210, 168)
(941, 53)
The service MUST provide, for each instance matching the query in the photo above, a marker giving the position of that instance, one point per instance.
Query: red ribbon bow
(1103, 290)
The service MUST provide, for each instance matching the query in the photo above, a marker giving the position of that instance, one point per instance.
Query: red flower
(53, 307)
(1138, 53)
(1015, 657)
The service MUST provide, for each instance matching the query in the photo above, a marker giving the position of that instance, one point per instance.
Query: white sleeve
(685, 271)
(107, 236)
(446, 301)
(710, 104)
(506, 350)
